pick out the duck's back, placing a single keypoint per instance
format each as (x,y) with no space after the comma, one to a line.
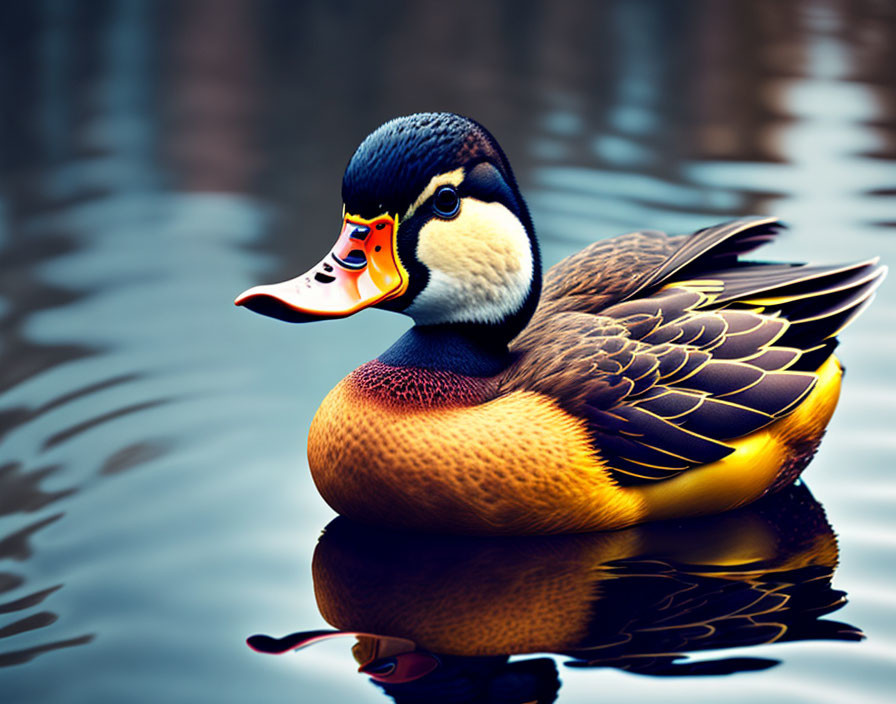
(611,270)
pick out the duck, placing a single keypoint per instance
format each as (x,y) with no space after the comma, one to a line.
(646,377)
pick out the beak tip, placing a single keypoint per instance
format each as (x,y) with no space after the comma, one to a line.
(245,296)
(265,302)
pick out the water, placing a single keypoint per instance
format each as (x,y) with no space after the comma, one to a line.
(158,158)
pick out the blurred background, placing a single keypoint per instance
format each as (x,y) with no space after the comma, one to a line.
(157,158)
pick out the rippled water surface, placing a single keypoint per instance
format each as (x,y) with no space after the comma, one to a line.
(155,504)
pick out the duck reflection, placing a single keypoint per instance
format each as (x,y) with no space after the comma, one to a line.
(437,618)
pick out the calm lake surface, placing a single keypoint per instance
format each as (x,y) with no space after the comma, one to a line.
(155,503)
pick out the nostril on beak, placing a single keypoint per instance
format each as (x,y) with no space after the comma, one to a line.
(356,259)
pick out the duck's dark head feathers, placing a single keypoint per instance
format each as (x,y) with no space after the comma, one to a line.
(394,163)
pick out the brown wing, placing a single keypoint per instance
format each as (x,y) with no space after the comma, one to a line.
(711,248)
(666,378)
(662,383)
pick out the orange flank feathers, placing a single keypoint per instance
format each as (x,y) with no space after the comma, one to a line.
(517,465)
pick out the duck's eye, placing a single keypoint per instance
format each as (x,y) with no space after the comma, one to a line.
(445,202)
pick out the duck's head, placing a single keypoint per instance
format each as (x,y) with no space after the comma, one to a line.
(433,226)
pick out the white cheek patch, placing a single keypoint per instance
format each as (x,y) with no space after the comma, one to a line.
(480,266)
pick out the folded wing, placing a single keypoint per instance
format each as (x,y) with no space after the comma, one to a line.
(701,350)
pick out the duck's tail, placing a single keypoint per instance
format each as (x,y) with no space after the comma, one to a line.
(817,301)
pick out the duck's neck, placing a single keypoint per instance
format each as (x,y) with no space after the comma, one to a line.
(470,350)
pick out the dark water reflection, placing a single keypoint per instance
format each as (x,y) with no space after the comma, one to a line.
(157,158)
(436,618)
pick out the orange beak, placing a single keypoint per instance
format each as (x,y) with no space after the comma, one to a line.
(361,270)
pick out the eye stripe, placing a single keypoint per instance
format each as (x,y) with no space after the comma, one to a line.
(452,178)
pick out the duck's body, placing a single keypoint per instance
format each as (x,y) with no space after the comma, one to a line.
(519,464)
(653,377)
(515,452)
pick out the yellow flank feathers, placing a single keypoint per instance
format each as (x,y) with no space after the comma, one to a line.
(757,460)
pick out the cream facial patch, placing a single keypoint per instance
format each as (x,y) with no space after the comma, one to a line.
(480,266)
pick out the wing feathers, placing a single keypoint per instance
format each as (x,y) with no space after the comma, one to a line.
(775,359)
(719,244)
(718,419)
(639,426)
(741,345)
(720,378)
(699,350)
(775,393)
(773,284)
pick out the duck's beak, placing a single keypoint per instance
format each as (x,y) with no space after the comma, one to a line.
(361,270)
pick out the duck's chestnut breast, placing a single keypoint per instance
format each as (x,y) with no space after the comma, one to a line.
(430,450)
(415,389)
